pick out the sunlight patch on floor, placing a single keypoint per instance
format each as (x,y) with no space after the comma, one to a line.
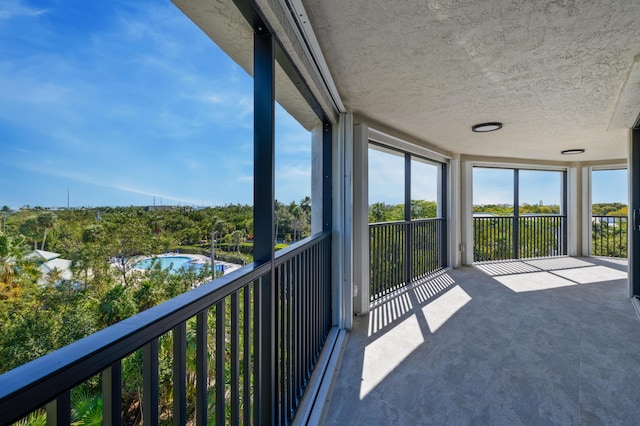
(438,312)
(385,353)
(592,274)
(534,281)
(505,268)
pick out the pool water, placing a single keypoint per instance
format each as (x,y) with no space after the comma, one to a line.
(172,263)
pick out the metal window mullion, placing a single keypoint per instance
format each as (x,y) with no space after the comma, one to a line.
(444,242)
(327,164)
(408,272)
(516,213)
(263,208)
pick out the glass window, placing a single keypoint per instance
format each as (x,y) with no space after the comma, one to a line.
(425,189)
(298,133)
(540,192)
(386,184)
(492,191)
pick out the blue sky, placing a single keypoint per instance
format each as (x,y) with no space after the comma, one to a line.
(119,102)
(491,186)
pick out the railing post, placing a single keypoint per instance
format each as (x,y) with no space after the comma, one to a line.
(59,410)
(180,374)
(202,364)
(150,383)
(112,395)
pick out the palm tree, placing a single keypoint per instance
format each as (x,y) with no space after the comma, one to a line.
(238,236)
(15,268)
(46,220)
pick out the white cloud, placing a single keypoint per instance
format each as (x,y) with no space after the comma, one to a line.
(214,98)
(11,9)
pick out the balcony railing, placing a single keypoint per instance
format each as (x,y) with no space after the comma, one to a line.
(239,347)
(401,252)
(609,236)
(504,237)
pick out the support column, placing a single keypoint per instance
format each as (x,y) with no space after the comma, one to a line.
(361,291)
(454,218)
(584,206)
(466,211)
(341,248)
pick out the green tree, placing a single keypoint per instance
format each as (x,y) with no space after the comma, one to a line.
(45,221)
(116,305)
(16,269)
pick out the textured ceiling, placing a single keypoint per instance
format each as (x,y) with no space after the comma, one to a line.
(552,71)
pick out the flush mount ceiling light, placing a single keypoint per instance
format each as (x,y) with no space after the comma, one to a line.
(572,151)
(487,127)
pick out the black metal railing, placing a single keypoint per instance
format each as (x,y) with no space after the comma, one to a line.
(401,252)
(217,339)
(609,236)
(505,237)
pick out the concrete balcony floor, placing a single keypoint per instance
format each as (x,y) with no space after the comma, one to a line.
(538,342)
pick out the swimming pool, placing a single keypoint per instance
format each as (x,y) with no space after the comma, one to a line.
(173,263)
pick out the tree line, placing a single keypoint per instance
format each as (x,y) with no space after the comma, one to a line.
(39,314)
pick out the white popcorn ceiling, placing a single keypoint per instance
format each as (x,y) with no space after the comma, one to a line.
(558,74)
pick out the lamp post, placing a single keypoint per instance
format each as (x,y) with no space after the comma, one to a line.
(213,264)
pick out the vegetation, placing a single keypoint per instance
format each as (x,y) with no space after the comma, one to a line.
(420,209)
(493,237)
(39,314)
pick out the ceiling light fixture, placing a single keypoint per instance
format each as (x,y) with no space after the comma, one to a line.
(572,151)
(487,127)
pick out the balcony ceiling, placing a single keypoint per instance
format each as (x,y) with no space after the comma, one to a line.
(559,74)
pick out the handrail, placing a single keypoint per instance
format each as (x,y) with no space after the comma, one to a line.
(609,235)
(400,222)
(28,387)
(404,251)
(33,381)
(519,237)
(289,252)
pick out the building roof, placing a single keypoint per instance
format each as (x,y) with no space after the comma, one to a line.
(43,255)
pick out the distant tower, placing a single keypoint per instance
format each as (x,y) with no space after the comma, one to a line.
(541,203)
(67,198)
